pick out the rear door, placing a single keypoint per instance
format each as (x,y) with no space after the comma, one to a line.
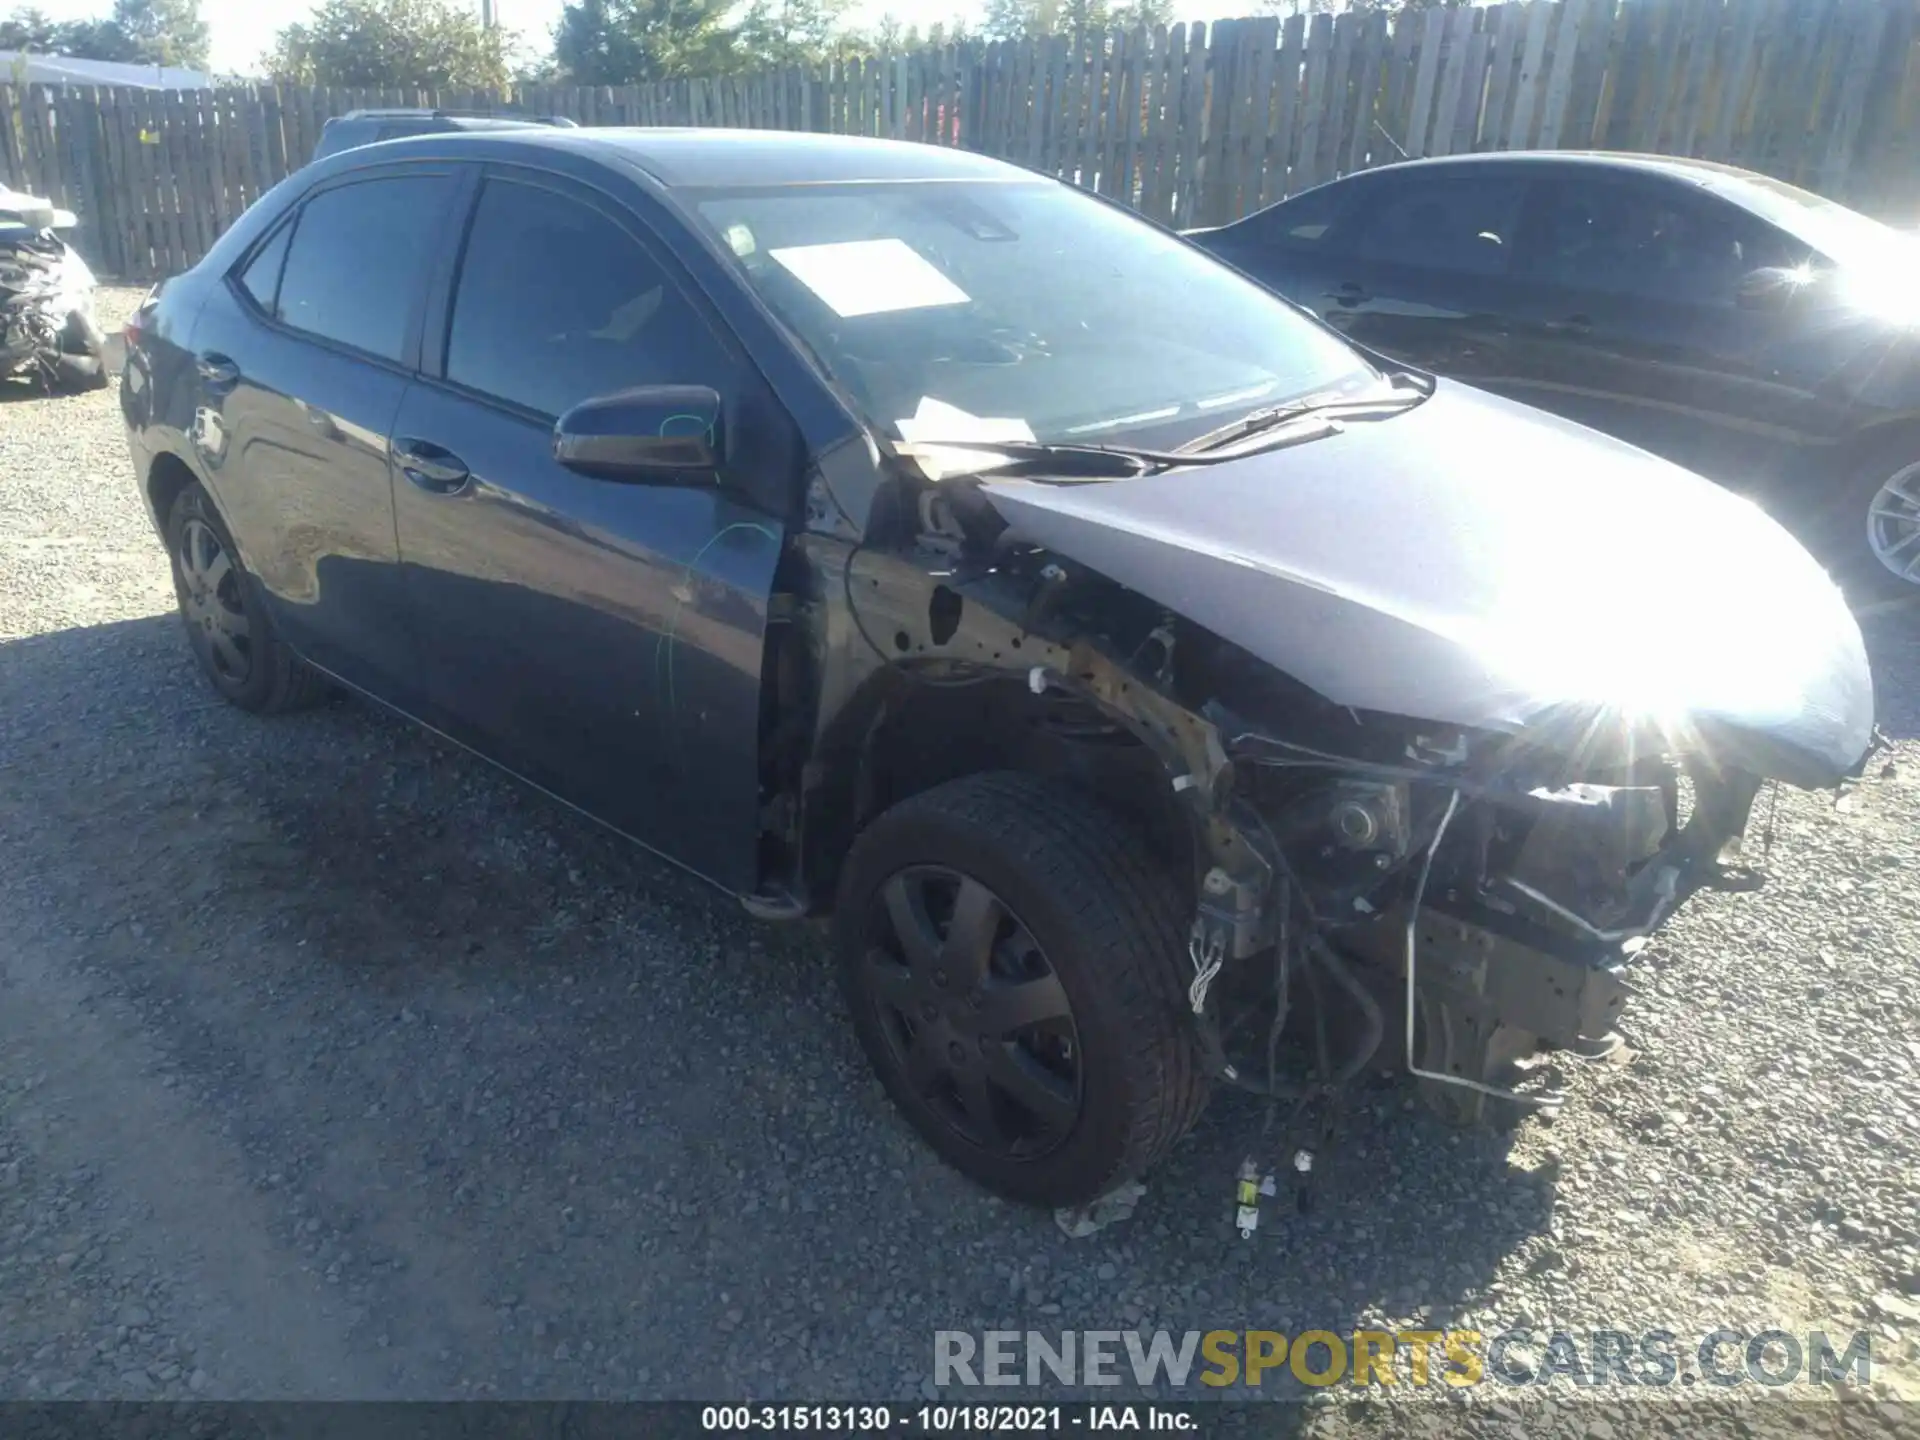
(601,638)
(1631,321)
(301,363)
(1422,271)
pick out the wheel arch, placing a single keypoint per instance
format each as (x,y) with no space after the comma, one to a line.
(167,475)
(903,734)
(1881,435)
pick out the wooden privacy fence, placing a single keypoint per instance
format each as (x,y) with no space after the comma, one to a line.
(1191,124)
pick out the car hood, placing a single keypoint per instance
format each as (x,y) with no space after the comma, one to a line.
(1474,562)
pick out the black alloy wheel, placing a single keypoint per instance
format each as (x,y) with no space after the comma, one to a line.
(977,1019)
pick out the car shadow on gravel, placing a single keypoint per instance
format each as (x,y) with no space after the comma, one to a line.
(547,1117)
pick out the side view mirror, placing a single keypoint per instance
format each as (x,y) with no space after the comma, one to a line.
(1771,287)
(648,433)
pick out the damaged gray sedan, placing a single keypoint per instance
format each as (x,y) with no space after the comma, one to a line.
(1157,691)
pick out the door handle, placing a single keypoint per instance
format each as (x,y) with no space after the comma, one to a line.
(434,469)
(217,372)
(1572,325)
(1351,293)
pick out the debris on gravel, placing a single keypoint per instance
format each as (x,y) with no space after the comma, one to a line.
(333,1063)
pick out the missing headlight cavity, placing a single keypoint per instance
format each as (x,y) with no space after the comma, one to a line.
(943,614)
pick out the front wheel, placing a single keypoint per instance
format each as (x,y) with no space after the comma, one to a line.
(1010,953)
(80,365)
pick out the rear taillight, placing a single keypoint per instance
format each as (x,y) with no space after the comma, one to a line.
(136,327)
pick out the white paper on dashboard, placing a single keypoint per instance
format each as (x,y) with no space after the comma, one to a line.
(869,277)
(935,420)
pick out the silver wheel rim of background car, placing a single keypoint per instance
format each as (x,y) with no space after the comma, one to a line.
(210,600)
(1893,524)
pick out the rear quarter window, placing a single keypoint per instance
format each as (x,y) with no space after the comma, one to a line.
(358,260)
(1304,222)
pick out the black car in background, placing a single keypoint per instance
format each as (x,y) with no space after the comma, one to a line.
(1746,329)
(365,127)
(1119,656)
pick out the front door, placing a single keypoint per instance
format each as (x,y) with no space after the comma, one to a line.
(601,638)
(302,359)
(1421,271)
(1629,318)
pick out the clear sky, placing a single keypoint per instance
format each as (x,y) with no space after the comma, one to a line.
(244,29)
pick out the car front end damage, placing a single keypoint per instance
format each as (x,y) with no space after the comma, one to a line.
(1479,908)
(1411,895)
(47,328)
(1413,843)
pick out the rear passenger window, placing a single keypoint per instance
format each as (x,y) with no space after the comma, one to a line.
(358,260)
(557,304)
(1462,224)
(261,278)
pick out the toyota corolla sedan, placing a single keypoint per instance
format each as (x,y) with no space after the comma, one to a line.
(1131,667)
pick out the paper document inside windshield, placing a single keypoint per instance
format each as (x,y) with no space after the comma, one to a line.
(935,420)
(869,277)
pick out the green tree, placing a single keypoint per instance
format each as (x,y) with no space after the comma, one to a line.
(138,32)
(29,28)
(1010,19)
(1373,7)
(791,32)
(164,32)
(1133,14)
(392,43)
(99,40)
(619,42)
(1082,17)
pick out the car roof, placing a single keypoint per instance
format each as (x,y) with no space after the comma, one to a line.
(701,158)
(1677,166)
(373,119)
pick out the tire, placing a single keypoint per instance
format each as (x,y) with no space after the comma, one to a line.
(232,637)
(79,365)
(77,373)
(1084,902)
(1867,519)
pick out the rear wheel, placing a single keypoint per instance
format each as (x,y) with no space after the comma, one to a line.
(231,634)
(1010,953)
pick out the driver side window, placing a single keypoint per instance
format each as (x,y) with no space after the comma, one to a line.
(556,303)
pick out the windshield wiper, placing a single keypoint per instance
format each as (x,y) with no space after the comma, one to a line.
(1320,407)
(1082,462)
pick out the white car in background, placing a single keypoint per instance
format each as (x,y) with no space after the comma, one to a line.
(48,332)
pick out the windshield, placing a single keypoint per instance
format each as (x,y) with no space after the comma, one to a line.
(1844,236)
(1020,310)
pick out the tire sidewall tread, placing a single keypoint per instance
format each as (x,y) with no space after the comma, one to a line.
(1110,918)
(278,681)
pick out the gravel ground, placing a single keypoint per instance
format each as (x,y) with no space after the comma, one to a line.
(334,1064)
